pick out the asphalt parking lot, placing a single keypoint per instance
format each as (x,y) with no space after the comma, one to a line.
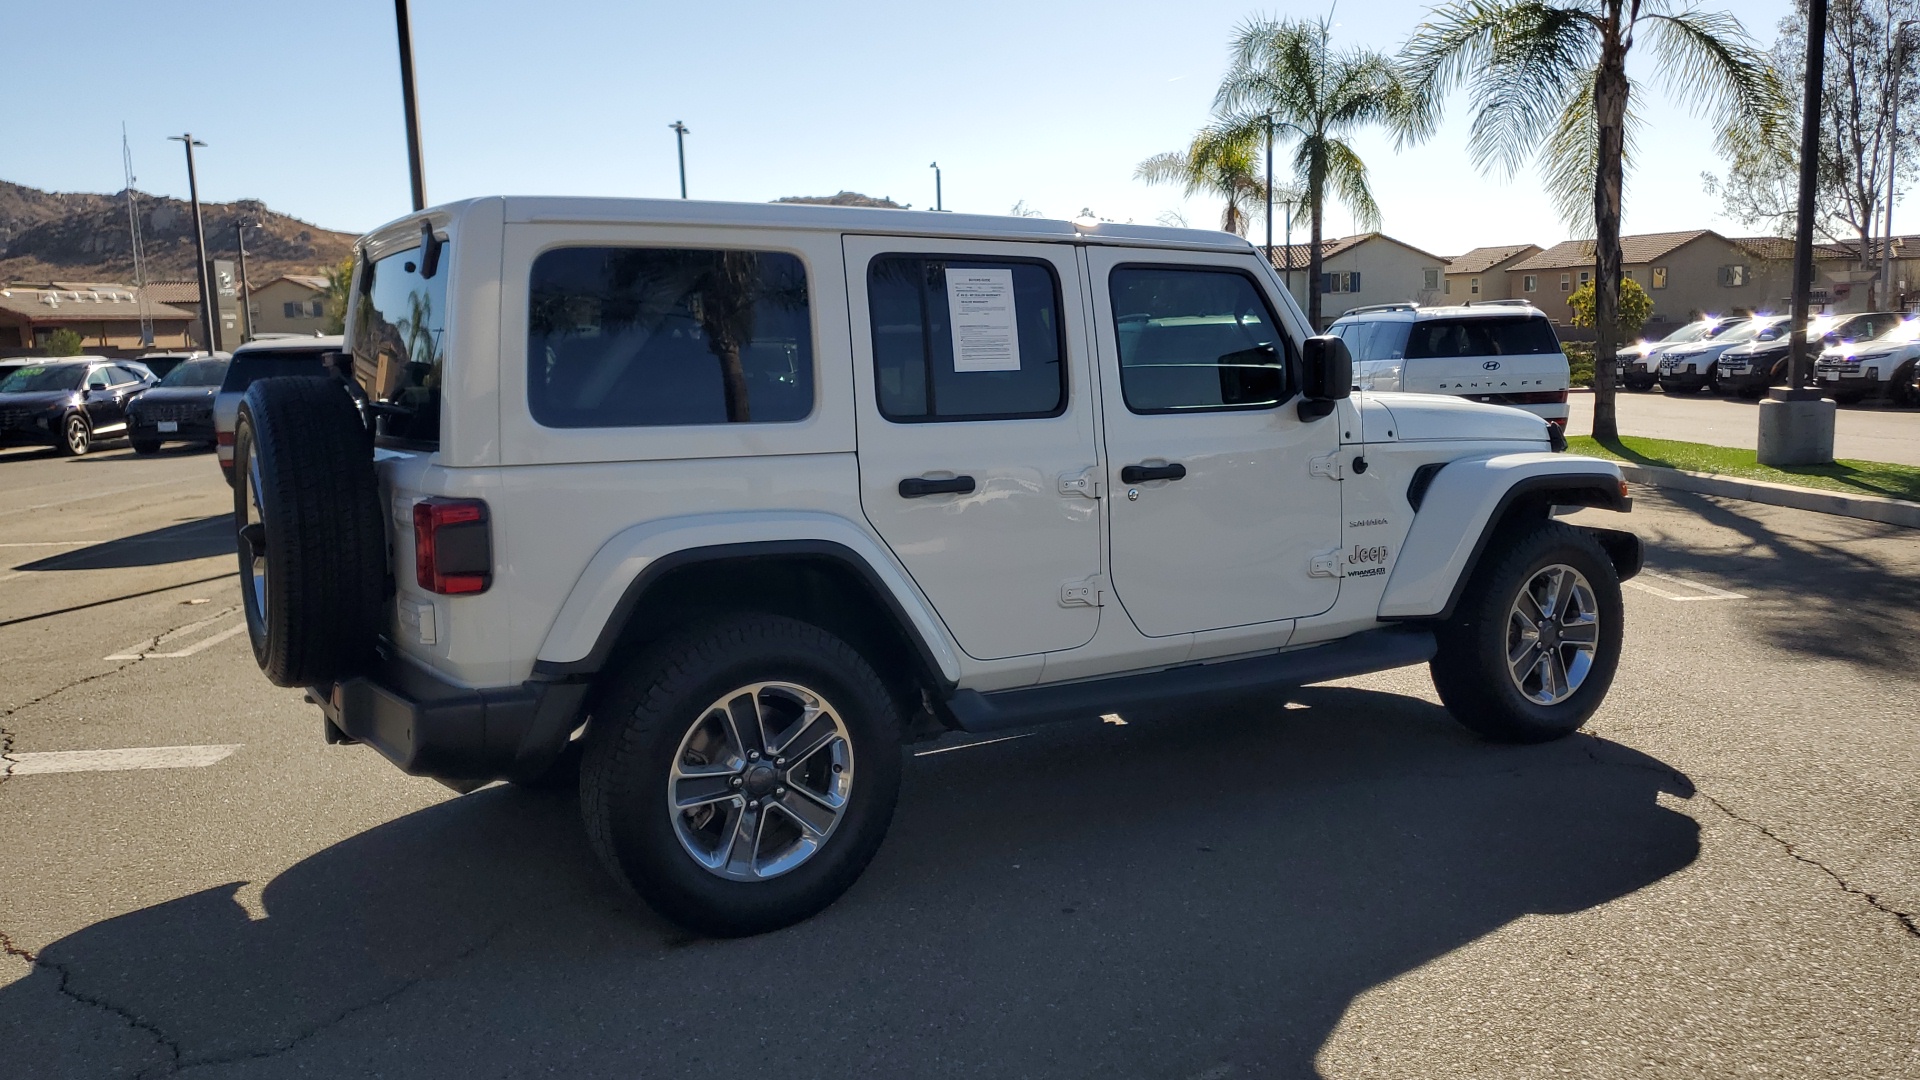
(1720,878)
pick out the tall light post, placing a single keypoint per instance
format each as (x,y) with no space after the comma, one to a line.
(199,241)
(939,202)
(1270,197)
(405,28)
(1897,56)
(1796,424)
(240,228)
(680,140)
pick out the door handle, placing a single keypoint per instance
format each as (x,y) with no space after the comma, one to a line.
(1139,474)
(915,486)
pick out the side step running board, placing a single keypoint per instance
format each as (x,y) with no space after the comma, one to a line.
(1374,650)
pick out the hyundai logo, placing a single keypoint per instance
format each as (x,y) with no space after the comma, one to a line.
(1491,365)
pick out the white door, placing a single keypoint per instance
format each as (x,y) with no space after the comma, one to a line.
(1217,511)
(978,458)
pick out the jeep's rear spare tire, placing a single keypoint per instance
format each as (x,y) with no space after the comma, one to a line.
(312,546)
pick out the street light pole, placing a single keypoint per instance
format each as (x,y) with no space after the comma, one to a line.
(939,202)
(680,140)
(1269,189)
(405,26)
(240,228)
(199,241)
(1897,53)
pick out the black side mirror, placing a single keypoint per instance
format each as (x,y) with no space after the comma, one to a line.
(1326,375)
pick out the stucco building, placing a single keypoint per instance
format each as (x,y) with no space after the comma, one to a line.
(1481,274)
(290,304)
(106,316)
(1371,268)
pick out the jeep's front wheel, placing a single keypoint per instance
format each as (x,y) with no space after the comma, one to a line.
(1533,645)
(740,776)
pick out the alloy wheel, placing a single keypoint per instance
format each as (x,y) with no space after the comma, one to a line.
(1553,628)
(760,780)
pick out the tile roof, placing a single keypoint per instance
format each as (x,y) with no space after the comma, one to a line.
(1298,256)
(1634,250)
(1779,247)
(174,292)
(1482,259)
(308,281)
(102,303)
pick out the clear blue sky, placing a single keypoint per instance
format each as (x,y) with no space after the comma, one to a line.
(1050,103)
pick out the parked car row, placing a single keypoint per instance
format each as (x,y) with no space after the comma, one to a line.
(1864,355)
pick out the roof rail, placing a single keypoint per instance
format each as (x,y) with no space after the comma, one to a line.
(1508,303)
(1400,306)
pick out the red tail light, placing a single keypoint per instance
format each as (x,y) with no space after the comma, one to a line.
(224,438)
(452,546)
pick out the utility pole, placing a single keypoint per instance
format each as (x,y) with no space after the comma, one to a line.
(680,140)
(240,228)
(1796,424)
(199,241)
(1897,53)
(939,203)
(405,26)
(1270,192)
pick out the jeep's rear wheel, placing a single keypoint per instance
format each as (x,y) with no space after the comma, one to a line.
(312,547)
(1533,646)
(741,775)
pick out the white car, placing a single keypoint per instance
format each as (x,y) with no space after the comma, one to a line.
(1501,352)
(266,356)
(1879,367)
(1637,367)
(708,507)
(1691,368)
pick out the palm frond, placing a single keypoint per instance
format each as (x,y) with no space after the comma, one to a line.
(1708,61)
(1348,176)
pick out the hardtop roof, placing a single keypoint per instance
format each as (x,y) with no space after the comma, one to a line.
(847,219)
(1415,312)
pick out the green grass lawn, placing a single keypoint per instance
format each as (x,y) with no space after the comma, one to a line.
(1852,477)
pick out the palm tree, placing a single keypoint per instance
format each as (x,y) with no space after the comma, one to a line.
(1285,74)
(1215,163)
(1548,81)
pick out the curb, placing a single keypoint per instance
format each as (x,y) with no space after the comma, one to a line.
(1864,507)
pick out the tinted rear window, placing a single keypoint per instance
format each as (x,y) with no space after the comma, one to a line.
(1522,336)
(1377,339)
(245,369)
(197,373)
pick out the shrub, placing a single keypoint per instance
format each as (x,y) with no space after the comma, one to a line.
(64,342)
(1635,308)
(1579,361)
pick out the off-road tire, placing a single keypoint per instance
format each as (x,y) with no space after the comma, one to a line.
(1470,669)
(145,447)
(319,525)
(76,436)
(636,727)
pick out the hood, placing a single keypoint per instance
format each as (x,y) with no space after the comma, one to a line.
(1756,348)
(1419,417)
(178,395)
(1633,352)
(37,399)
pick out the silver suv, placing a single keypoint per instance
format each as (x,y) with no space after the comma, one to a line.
(1503,352)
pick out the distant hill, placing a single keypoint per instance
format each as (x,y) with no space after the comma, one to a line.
(57,236)
(845,198)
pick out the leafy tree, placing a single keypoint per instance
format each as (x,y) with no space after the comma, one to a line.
(1636,307)
(339,288)
(1548,82)
(1872,59)
(64,342)
(1215,163)
(1286,74)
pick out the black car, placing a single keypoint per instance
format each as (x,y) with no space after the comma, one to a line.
(67,404)
(163,363)
(180,409)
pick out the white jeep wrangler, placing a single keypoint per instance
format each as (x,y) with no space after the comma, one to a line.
(711,506)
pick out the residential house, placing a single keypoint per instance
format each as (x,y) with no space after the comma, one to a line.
(1481,274)
(1688,275)
(1371,268)
(106,316)
(289,304)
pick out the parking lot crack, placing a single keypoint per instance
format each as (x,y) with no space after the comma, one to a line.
(65,989)
(1907,919)
(344,1015)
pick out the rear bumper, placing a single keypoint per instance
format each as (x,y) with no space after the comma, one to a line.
(465,736)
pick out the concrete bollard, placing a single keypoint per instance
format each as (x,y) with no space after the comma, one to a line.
(1796,428)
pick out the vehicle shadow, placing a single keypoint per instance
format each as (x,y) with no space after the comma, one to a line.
(1832,598)
(1157,899)
(181,542)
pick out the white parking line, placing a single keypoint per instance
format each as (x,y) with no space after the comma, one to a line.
(970,745)
(151,651)
(146,757)
(1706,592)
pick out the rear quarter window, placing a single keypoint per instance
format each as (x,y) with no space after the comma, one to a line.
(1520,336)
